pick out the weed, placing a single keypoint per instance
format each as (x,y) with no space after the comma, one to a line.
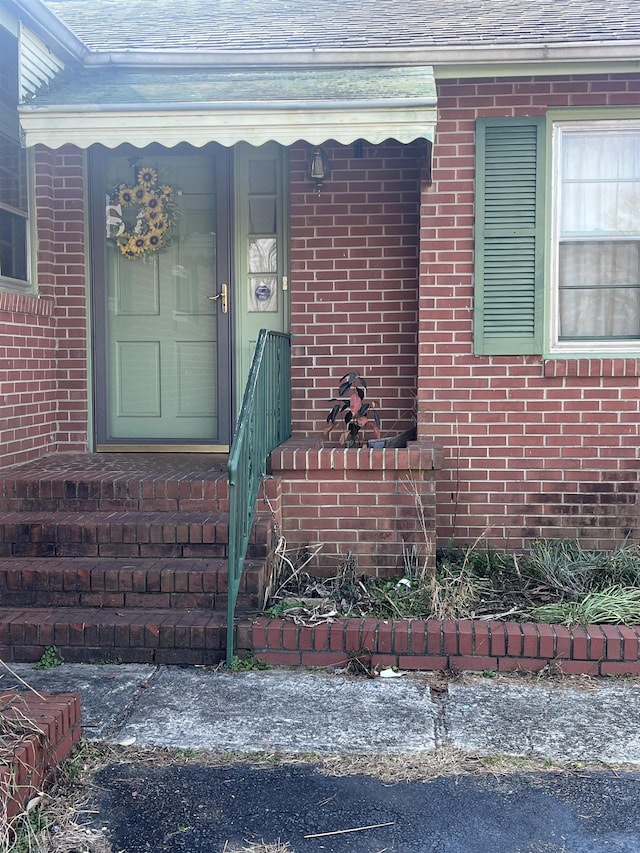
(185,753)
(51,658)
(239,664)
(616,606)
(26,828)
(488,673)
(555,581)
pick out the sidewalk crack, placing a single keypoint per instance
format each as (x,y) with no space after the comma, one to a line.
(440,698)
(128,709)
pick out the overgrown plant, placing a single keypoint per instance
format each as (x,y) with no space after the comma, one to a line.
(357,413)
(616,605)
(51,658)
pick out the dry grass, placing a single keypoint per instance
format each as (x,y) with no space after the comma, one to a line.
(16,731)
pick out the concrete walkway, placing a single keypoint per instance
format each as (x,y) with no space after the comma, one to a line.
(310,712)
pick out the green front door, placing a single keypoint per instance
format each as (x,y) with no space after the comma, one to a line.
(162,354)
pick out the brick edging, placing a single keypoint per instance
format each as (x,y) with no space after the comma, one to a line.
(445,645)
(31,758)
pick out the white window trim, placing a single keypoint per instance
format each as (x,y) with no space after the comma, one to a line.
(580,348)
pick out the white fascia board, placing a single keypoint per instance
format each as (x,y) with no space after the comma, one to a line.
(589,51)
(83,127)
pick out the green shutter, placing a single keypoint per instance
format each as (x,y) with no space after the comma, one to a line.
(509,260)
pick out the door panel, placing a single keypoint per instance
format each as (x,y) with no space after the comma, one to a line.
(163,357)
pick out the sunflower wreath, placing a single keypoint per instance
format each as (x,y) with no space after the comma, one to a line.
(155,217)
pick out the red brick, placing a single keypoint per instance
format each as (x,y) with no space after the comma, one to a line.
(620,668)
(401,637)
(320,638)
(423,662)
(318,659)
(480,638)
(614,642)
(472,662)
(579,644)
(346,636)
(521,664)
(498,641)
(579,667)
(597,642)
(385,636)
(274,634)
(434,638)
(369,634)
(563,642)
(465,637)
(289,635)
(630,642)
(514,639)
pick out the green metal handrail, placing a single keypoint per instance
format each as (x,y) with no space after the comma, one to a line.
(264,423)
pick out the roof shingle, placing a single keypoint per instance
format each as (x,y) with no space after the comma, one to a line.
(200,25)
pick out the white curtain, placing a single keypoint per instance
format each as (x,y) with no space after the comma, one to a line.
(599,253)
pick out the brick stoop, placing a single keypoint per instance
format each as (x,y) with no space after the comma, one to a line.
(446,645)
(123,556)
(50,730)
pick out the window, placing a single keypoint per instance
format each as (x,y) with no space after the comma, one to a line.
(13,170)
(583,271)
(597,233)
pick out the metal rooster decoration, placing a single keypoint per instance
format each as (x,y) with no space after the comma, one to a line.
(358,414)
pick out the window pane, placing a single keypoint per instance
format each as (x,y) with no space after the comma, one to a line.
(605,262)
(262,215)
(8,68)
(13,246)
(262,177)
(263,293)
(263,255)
(600,313)
(13,184)
(600,155)
(599,206)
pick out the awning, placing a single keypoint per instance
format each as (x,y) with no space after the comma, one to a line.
(112,106)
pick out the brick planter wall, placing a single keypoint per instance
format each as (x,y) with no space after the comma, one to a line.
(28,762)
(449,645)
(356,500)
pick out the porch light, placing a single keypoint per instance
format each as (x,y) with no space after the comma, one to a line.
(318,168)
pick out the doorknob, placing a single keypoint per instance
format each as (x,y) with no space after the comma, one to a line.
(224,296)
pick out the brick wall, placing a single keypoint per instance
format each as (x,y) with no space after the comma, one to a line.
(533,448)
(354,280)
(374,505)
(27,386)
(62,211)
(43,338)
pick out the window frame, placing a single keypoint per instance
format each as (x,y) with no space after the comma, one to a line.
(598,347)
(11,132)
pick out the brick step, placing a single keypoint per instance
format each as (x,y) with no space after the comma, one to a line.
(117,582)
(103,482)
(124,534)
(84,635)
